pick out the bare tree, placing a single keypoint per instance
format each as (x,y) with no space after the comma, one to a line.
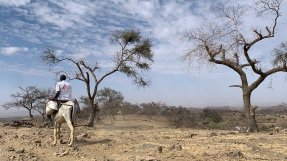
(39,104)
(134,56)
(29,98)
(227,44)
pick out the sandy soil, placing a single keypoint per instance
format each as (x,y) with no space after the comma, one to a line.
(139,139)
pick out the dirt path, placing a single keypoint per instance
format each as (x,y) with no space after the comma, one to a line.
(139,139)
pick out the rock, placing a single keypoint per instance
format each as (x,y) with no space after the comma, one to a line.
(82,136)
(237,128)
(193,135)
(110,160)
(271,133)
(212,134)
(85,135)
(6,124)
(236,154)
(232,133)
(64,153)
(171,147)
(10,149)
(12,157)
(178,147)
(55,154)
(159,149)
(148,158)
(22,150)
(37,141)
(277,129)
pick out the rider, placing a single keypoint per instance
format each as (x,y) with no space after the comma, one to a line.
(63,92)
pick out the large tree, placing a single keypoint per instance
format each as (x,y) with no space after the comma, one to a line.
(134,56)
(30,98)
(227,43)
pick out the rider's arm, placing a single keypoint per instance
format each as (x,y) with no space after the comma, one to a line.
(57,91)
(57,94)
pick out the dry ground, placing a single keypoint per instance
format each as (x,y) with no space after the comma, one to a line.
(138,138)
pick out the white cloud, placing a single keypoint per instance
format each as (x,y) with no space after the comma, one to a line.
(83,27)
(23,69)
(12,50)
(15,3)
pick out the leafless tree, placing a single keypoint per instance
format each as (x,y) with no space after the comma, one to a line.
(226,43)
(134,56)
(30,98)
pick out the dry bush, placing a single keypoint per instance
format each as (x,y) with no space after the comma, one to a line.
(180,117)
(209,115)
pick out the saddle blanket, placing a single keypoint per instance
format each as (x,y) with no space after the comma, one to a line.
(52,105)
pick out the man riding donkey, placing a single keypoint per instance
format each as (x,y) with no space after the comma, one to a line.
(63,94)
(63,108)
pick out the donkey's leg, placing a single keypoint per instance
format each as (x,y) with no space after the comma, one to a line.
(68,118)
(55,133)
(72,132)
(59,131)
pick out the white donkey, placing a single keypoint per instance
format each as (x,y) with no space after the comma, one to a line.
(66,113)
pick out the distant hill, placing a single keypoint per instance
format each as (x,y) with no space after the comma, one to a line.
(279,109)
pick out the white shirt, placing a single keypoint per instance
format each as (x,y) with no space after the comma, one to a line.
(65,89)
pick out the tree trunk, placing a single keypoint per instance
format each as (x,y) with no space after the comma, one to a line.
(250,112)
(30,114)
(252,121)
(92,114)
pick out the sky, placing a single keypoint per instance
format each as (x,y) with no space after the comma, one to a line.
(83,29)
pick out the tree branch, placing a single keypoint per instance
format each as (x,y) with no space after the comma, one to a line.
(239,86)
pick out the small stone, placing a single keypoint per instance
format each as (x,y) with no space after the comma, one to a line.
(159,149)
(271,133)
(12,157)
(212,134)
(22,150)
(236,154)
(110,160)
(277,129)
(178,147)
(37,141)
(193,135)
(85,135)
(64,153)
(171,147)
(231,133)
(55,154)
(10,149)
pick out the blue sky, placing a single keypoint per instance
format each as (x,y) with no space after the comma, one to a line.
(83,28)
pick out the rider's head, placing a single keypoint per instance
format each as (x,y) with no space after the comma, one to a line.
(62,77)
